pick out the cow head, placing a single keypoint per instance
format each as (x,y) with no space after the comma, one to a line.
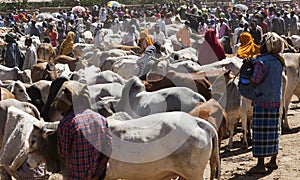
(37,142)
(18,89)
(25,76)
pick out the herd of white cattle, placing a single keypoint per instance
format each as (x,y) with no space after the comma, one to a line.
(167,133)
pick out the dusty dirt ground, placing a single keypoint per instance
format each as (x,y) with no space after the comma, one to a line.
(238,161)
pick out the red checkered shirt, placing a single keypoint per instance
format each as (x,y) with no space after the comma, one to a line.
(84,141)
(257,77)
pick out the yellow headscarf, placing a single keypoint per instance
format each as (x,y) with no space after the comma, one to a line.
(247,49)
(67,46)
(145,40)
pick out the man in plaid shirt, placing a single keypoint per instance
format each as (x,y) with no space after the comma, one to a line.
(84,138)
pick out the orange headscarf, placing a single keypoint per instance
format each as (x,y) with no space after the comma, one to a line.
(145,40)
(247,49)
(67,46)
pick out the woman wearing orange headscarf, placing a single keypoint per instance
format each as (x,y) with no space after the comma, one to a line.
(247,49)
(67,46)
(145,40)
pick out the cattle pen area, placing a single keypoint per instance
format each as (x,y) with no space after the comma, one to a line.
(171,90)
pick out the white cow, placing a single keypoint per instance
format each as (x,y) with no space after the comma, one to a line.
(7,73)
(137,102)
(159,146)
(104,90)
(237,108)
(18,89)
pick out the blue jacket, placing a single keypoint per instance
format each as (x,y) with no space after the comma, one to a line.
(270,88)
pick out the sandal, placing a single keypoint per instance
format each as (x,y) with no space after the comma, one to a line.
(270,165)
(257,170)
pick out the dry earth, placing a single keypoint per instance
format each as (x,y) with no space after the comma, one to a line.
(238,161)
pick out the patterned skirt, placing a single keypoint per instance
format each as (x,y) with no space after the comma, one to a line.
(266,131)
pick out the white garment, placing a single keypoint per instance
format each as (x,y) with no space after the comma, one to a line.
(162,27)
(160,37)
(99,39)
(30,57)
(237,32)
(129,40)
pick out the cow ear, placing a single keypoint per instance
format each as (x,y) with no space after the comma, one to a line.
(36,128)
(47,133)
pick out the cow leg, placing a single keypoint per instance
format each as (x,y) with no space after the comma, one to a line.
(284,124)
(4,174)
(231,130)
(244,129)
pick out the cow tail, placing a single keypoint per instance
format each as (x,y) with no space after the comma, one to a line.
(218,159)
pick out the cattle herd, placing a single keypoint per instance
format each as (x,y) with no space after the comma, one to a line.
(168,126)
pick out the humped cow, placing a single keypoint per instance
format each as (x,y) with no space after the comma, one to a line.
(138,150)
(7,73)
(137,102)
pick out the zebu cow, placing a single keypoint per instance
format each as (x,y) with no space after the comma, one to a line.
(15,145)
(137,102)
(5,94)
(292,61)
(160,68)
(175,141)
(92,75)
(45,51)
(237,108)
(63,59)
(7,73)
(23,106)
(187,53)
(19,91)
(43,71)
(38,93)
(103,90)
(195,82)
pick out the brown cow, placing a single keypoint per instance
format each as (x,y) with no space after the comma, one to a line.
(72,62)
(6,94)
(46,52)
(45,71)
(198,83)
(215,114)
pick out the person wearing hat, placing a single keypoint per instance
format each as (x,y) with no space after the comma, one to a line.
(13,53)
(267,81)
(183,35)
(30,54)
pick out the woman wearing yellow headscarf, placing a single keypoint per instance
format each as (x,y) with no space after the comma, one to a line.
(247,49)
(67,46)
(145,40)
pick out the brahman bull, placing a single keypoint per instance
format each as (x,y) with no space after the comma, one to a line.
(159,146)
(43,71)
(7,73)
(45,51)
(137,102)
(195,82)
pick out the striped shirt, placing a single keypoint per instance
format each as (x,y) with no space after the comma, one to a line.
(84,141)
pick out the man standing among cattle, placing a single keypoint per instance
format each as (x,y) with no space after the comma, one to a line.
(267,79)
(84,138)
